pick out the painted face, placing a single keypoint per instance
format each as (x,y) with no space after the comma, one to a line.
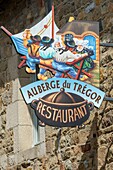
(26,35)
(80,47)
(57,45)
(68,37)
(37,43)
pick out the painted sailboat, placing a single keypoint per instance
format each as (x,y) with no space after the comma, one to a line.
(71,51)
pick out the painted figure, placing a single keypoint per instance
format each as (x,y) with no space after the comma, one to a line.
(39,52)
(32,43)
(63,56)
(81,48)
(46,53)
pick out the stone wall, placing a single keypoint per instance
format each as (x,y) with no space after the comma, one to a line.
(15,118)
(85,148)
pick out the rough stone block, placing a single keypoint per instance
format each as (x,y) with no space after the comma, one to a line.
(2,81)
(11,115)
(11,160)
(0,123)
(12,67)
(83,136)
(90,7)
(29,154)
(17,113)
(42,150)
(14,53)
(17,84)
(102,151)
(42,134)
(22,138)
(6,97)
(3,65)
(104,8)
(3,162)
(16,94)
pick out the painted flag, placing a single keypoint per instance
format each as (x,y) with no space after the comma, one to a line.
(46,27)
(43,28)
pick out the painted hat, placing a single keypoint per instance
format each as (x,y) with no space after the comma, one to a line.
(35,38)
(47,40)
(69,37)
(70,44)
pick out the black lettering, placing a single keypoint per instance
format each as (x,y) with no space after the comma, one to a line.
(47,86)
(79,88)
(64,84)
(75,85)
(29,94)
(93,95)
(35,92)
(39,89)
(43,87)
(68,85)
(57,83)
(83,91)
(52,84)
(98,99)
(88,92)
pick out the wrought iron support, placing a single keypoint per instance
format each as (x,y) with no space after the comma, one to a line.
(108,99)
(106,44)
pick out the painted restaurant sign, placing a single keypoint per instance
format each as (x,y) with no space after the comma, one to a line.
(61,102)
(67,61)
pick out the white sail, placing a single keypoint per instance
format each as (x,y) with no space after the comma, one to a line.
(43,28)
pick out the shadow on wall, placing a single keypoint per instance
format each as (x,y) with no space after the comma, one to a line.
(8,62)
(89,160)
